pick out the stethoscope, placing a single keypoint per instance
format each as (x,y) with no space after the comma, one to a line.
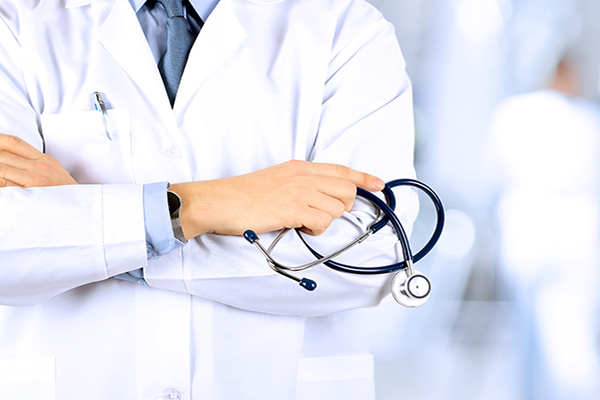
(410,287)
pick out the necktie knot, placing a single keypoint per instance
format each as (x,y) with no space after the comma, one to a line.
(174,8)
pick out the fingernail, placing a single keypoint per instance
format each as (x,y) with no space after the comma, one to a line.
(379,184)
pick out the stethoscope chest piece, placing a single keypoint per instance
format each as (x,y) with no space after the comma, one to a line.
(411,289)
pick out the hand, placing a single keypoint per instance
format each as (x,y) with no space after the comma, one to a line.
(295,194)
(23,165)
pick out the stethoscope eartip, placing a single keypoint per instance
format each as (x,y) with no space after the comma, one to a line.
(308,284)
(250,236)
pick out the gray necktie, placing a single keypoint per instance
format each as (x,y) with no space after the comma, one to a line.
(180,39)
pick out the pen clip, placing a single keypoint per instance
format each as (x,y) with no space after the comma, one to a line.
(99,104)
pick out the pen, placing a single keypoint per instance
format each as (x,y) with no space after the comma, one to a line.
(99,104)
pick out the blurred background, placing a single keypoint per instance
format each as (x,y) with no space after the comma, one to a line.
(508,128)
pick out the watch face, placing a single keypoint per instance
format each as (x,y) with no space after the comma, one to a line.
(174,203)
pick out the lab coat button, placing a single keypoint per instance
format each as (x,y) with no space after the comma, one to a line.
(171,394)
(173,152)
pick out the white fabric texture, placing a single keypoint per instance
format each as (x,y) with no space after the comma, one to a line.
(265,82)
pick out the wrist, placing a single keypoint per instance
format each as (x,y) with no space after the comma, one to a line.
(190,221)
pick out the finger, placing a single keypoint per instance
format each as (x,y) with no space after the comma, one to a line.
(327,204)
(339,189)
(13,160)
(7,183)
(360,179)
(14,176)
(315,222)
(19,147)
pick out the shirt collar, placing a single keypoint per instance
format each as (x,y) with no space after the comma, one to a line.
(137,4)
(199,5)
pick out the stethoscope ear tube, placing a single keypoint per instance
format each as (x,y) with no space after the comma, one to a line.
(253,238)
(391,218)
(410,287)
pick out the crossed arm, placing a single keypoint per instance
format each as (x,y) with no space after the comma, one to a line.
(295,194)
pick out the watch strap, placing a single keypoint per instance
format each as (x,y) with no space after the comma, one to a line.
(175,204)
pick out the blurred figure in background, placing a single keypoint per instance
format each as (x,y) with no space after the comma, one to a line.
(547,144)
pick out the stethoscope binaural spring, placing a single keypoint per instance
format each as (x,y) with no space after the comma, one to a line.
(410,287)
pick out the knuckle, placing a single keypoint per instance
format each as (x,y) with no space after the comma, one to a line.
(295,164)
(295,222)
(348,194)
(41,166)
(4,170)
(40,176)
(342,170)
(317,223)
(351,192)
(13,140)
(339,210)
(51,160)
(324,221)
(41,180)
(349,204)
(350,189)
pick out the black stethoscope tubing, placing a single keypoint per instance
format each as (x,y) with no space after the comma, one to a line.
(387,208)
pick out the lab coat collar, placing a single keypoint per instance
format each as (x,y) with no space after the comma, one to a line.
(141,66)
(210,50)
(118,20)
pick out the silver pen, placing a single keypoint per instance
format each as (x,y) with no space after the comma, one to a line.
(99,104)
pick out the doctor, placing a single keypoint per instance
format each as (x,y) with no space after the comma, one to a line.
(266,81)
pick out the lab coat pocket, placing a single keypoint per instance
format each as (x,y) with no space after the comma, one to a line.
(80,141)
(333,378)
(28,378)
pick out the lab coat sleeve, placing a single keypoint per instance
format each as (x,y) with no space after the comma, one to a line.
(57,238)
(367,124)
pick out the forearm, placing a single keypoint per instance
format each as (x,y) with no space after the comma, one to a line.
(294,194)
(231,271)
(57,238)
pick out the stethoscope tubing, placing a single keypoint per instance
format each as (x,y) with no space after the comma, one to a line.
(390,216)
(439,212)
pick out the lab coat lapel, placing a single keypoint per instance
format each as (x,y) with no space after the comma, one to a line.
(123,38)
(218,40)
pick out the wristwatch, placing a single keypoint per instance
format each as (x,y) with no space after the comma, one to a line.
(175,203)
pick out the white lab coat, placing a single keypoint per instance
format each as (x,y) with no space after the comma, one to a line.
(266,81)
